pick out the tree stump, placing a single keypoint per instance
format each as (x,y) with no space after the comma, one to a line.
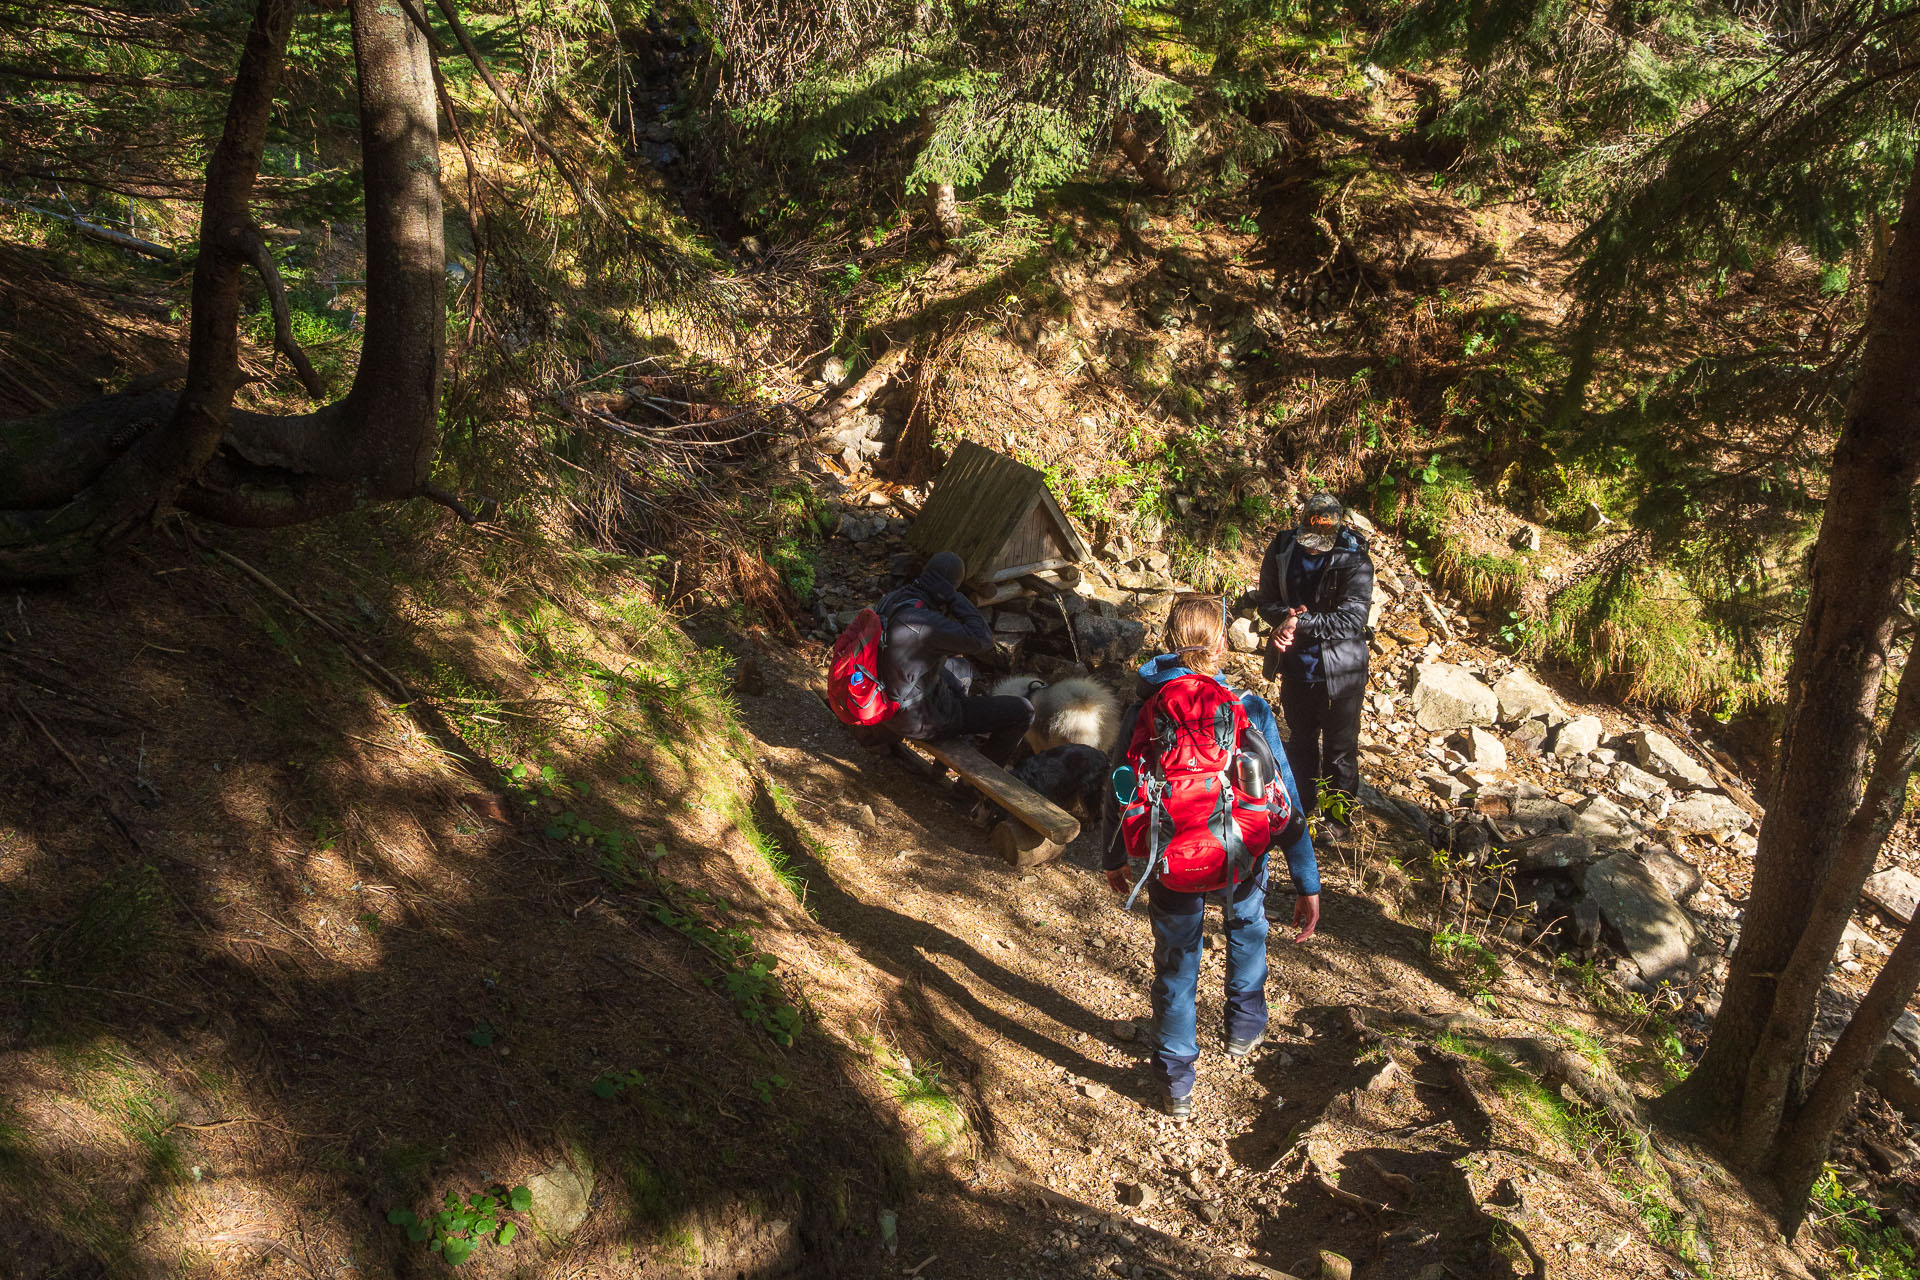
(1021,846)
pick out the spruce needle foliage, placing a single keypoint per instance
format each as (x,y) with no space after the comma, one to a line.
(1004,99)
(1550,90)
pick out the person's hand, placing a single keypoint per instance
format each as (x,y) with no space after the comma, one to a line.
(1283,634)
(1117,880)
(1306,915)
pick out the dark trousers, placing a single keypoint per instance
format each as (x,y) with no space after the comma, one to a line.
(950,713)
(1003,720)
(1323,738)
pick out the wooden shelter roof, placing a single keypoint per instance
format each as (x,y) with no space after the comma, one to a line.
(979,505)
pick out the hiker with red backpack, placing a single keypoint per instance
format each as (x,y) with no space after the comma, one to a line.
(1201,792)
(902,668)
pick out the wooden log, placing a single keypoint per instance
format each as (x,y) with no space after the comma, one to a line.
(1005,790)
(998,593)
(1020,846)
(98,232)
(1065,578)
(864,389)
(1022,570)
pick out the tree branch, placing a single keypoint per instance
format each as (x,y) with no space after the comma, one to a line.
(98,232)
(587,198)
(262,259)
(435,493)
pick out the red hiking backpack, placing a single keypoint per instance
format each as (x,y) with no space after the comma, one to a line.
(1191,821)
(854,690)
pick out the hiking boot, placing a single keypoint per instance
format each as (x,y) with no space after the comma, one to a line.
(1178,1107)
(1239,1047)
(1336,833)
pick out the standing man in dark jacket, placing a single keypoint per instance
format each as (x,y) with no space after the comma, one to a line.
(931,631)
(1316,589)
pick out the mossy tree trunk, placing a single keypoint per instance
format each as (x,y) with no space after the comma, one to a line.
(77,484)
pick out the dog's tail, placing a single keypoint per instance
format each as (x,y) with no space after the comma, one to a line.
(1017,686)
(1075,710)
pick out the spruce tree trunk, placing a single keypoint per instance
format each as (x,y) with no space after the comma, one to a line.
(78,483)
(1782,1045)
(1808,1138)
(1859,568)
(376,443)
(944,204)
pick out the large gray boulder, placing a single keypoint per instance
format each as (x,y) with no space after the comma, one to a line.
(1706,814)
(1108,639)
(1654,932)
(1243,636)
(1522,697)
(1529,737)
(1578,736)
(1604,822)
(1448,697)
(1482,749)
(1637,784)
(1553,853)
(1537,815)
(1680,878)
(1657,753)
(1895,892)
(1447,787)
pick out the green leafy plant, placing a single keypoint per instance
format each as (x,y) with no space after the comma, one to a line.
(1865,1245)
(763,1088)
(614,1083)
(459,1228)
(1457,948)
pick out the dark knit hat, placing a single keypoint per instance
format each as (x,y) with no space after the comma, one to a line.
(947,567)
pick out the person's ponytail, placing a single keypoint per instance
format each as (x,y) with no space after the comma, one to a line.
(1196,626)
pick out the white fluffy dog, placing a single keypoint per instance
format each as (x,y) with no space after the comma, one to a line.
(1075,710)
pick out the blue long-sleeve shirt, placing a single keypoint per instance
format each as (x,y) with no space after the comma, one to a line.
(1301,863)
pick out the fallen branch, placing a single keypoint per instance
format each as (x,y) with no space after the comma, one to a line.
(106,804)
(864,389)
(262,259)
(434,493)
(1728,783)
(394,685)
(98,232)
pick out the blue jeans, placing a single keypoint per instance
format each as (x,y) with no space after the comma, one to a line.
(1176,972)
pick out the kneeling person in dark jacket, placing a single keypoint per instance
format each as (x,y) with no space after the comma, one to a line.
(931,631)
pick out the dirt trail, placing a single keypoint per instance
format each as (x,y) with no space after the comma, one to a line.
(1023,991)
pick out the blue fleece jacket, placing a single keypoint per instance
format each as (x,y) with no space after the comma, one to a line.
(1168,666)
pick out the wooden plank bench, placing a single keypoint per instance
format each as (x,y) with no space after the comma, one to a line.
(1044,829)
